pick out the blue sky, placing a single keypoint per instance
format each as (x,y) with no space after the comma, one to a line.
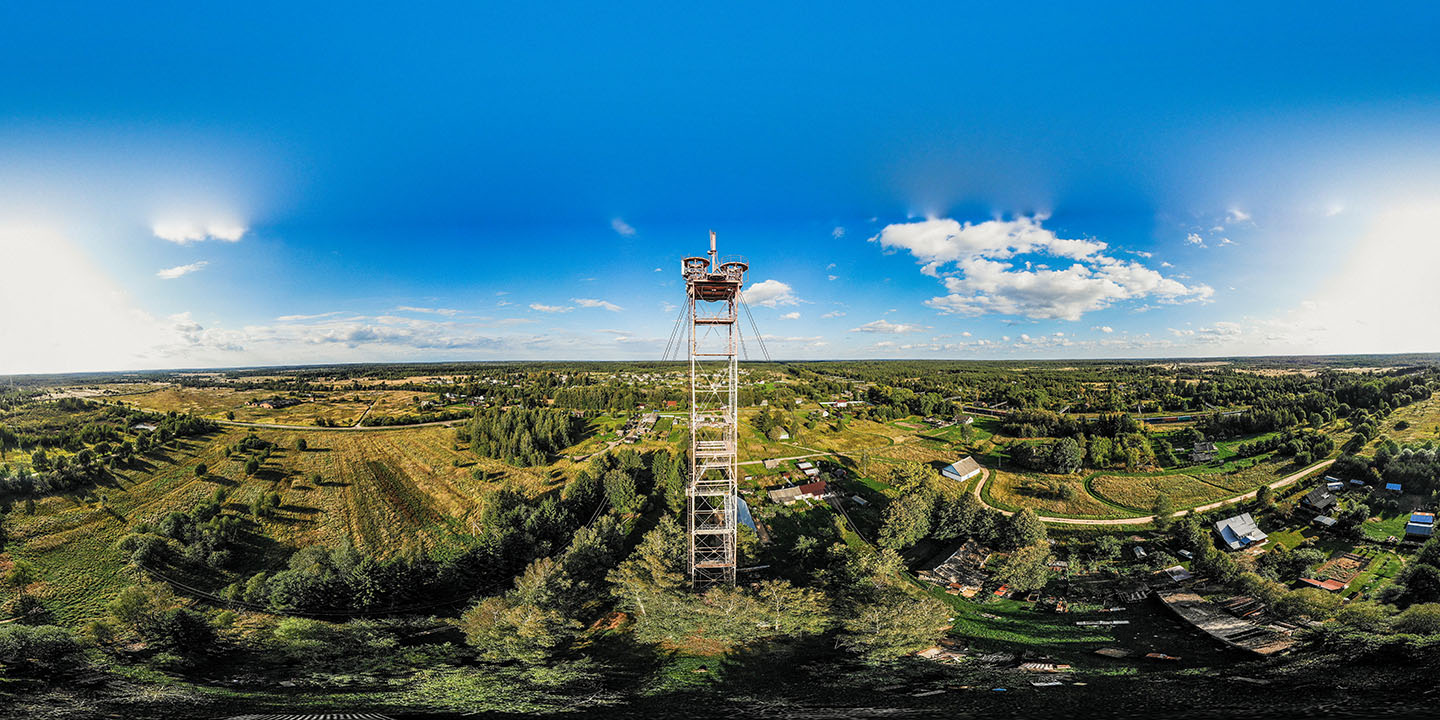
(188,186)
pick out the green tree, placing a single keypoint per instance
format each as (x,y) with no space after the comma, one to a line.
(907,520)
(655,567)
(1163,509)
(505,629)
(791,611)
(20,574)
(1423,619)
(1265,496)
(891,624)
(201,469)
(1022,529)
(252,466)
(1364,616)
(301,445)
(1025,569)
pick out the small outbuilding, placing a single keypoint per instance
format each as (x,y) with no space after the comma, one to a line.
(962,469)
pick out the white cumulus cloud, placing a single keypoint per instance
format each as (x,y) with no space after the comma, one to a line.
(770,293)
(971,261)
(183,232)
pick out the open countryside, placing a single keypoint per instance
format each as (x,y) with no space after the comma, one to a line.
(1081,546)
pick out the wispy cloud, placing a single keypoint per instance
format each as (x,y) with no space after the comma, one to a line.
(622,227)
(838,232)
(833,314)
(298,318)
(179,270)
(1195,239)
(448,312)
(593,303)
(790,316)
(888,328)
(550,308)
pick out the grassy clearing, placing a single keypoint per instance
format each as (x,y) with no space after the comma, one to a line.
(1012,491)
(1140,491)
(1010,625)
(1421,420)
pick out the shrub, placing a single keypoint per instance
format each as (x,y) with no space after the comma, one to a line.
(42,649)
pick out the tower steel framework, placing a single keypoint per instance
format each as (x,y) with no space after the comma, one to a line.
(713,289)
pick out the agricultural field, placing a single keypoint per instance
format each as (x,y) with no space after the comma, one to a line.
(384,492)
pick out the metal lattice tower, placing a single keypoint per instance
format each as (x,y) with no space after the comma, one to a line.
(713,290)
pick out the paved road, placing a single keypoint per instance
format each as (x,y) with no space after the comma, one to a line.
(355,428)
(1143,519)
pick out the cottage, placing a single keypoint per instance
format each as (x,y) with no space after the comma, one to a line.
(1203,452)
(1240,532)
(1325,521)
(144,427)
(1333,486)
(962,469)
(1319,500)
(794,493)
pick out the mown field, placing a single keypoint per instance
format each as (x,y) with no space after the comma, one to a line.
(391,491)
(1140,492)
(340,408)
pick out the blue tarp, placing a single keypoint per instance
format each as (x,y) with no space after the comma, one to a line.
(744,513)
(1393,486)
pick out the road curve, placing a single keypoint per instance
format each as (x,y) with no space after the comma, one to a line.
(1143,519)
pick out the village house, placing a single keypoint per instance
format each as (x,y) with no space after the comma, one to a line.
(791,494)
(1203,452)
(1240,532)
(1319,500)
(1421,525)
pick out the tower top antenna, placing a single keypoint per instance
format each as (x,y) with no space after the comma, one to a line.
(713,266)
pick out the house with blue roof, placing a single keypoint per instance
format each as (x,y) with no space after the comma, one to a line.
(1421,525)
(1393,487)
